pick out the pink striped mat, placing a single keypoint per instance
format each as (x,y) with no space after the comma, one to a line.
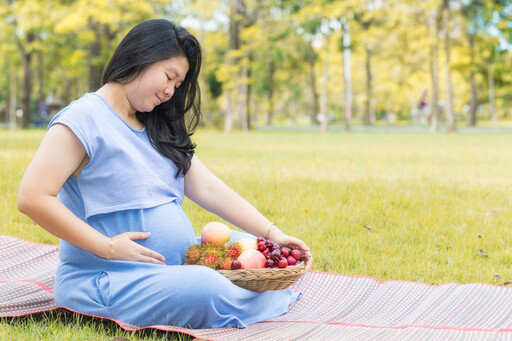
(333,307)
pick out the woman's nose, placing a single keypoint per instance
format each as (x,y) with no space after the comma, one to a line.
(169,91)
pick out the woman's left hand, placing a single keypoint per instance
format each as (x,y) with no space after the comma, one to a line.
(293,243)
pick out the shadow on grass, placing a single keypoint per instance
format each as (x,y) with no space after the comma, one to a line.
(63,322)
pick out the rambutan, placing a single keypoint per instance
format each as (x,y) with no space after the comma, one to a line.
(210,259)
(233,250)
(226,264)
(193,254)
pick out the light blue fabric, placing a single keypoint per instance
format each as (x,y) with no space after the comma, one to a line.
(108,195)
(124,170)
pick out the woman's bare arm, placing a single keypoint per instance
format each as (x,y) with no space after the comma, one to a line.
(211,193)
(58,157)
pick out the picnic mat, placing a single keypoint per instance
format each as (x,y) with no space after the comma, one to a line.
(332,307)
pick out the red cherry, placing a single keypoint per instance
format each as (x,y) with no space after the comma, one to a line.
(236,265)
(276,246)
(269,243)
(276,254)
(283,263)
(291,260)
(261,246)
(260,239)
(285,252)
(266,253)
(296,254)
(269,263)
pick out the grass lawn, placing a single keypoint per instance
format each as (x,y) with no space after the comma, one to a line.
(394,206)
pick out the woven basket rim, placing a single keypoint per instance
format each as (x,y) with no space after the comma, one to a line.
(300,267)
(265,279)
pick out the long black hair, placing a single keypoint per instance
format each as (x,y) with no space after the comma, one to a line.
(147,43)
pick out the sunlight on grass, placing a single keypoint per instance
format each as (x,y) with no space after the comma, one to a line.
(395,206)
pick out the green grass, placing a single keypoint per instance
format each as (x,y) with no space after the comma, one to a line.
(394,206)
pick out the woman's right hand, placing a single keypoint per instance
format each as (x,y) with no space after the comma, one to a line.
(124,248)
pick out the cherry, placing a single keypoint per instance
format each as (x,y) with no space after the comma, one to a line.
(283,263)
(261,246)
(296,254)
(260,239)
(236,265)
(285,251)
(291,260)
(266,253)
(275,254)
(276,246)
(269,263)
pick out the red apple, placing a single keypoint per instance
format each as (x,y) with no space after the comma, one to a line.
(216,233)
(252,259)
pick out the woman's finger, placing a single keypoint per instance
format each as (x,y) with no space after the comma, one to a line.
(137,235)
(309,260)
(148,253)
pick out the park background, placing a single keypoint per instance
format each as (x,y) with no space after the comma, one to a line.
(381,188)
(442,63)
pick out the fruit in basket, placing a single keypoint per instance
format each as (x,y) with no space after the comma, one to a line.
(275,255)
(261,246)
(269,263)
(247,244)
(234,250)
(283,263)
(216,233)
(226,264)
(291,260)
(296,254)
(252,259)
(210,259)
(236,265)
(285,252)
(193,254)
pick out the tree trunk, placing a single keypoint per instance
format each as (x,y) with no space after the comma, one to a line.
(234,44)
(492,106)
(40,76)
(12,95)
(270,90)
(248,91)
(325,86)
(369,113)
(347,75)
(450,115)
(474,94)
(312,83)
(28,85)
(434,72)
(94,53)
(243,93)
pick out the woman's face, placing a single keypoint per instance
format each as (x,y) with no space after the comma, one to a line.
(156,84)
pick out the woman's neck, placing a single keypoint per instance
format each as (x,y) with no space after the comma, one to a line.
(116,97)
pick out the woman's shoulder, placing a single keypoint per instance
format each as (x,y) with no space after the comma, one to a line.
(86,108)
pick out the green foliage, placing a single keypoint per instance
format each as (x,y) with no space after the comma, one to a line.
(77,38)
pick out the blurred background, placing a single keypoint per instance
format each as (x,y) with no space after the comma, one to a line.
(436,64)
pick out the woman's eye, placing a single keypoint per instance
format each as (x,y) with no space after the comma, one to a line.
(168,78)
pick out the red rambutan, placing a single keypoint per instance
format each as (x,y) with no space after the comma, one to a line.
(193,254)
(226,264)
(210,259)
(233,250)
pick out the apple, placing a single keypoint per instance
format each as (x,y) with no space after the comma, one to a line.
(252,259)
(247,244)
(216,233)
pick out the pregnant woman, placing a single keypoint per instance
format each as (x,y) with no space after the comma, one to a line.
(109,179)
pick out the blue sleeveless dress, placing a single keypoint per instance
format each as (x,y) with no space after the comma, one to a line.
(128,186)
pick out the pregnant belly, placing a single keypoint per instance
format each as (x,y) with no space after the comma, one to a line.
(170,228)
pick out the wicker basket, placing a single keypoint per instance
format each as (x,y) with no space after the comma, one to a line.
(265,279)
